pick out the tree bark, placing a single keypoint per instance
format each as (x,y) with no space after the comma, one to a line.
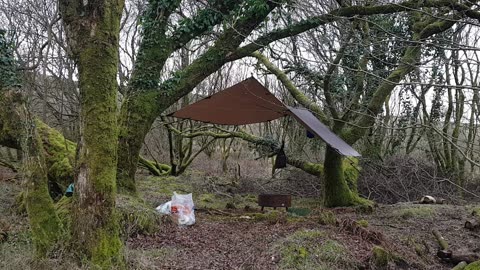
(93,29)
(336,189)
(17,130)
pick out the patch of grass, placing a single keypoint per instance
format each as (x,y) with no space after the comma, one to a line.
(327,218)
(16,252)
(475,211)
(136,217)
(157,190)
(271,217)
(64,211)
(299,212)
(415,212)
(310,249)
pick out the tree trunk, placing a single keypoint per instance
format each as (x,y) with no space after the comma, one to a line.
(96,228)
(44,222)
(17,130)
(336,190)
(93,29)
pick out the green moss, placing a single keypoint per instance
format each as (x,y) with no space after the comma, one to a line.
(157,190)
(380,257)
(415,212)
(309,249)
(107,250)
(362,223)
(473,266)
(210,201)
(44,223)
(272,217)
(336,186)
(59,154)
(64,211)
(351,173)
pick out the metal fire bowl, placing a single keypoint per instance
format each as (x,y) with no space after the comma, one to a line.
(274,200)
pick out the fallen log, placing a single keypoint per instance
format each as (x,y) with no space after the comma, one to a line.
(472,225)
(441,241)
(467,257)
(460,266)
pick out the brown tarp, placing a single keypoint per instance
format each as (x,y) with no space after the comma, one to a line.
(250,102)
(309,121)
(244,103)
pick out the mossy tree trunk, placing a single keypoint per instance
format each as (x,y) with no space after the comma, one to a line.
(93,30)
(336,189)
(17,130)
(44,223)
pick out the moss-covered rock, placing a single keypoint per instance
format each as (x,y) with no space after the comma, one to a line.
(473,266)
(382,258)
(362,223)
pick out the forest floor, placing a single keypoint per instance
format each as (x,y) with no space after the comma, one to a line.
(308,236)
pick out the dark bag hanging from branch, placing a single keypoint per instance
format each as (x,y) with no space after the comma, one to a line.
(281,159)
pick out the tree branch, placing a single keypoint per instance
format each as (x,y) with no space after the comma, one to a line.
(297,94)
(348,12)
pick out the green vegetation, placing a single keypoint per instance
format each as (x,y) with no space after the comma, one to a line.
(362,223)
(271,217)
(327,218)
(310,249)
(300,212)
(380,257)
(415,212)
(473,266)
(136,217)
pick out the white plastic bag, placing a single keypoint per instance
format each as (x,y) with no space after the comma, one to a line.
(182,209)
(164,208)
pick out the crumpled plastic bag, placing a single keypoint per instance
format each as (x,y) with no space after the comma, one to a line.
(181,208)
(164,208)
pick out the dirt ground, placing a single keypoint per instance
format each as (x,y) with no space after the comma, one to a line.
(235,243)
(342,238)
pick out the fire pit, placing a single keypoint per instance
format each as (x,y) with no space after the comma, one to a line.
(274,200)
